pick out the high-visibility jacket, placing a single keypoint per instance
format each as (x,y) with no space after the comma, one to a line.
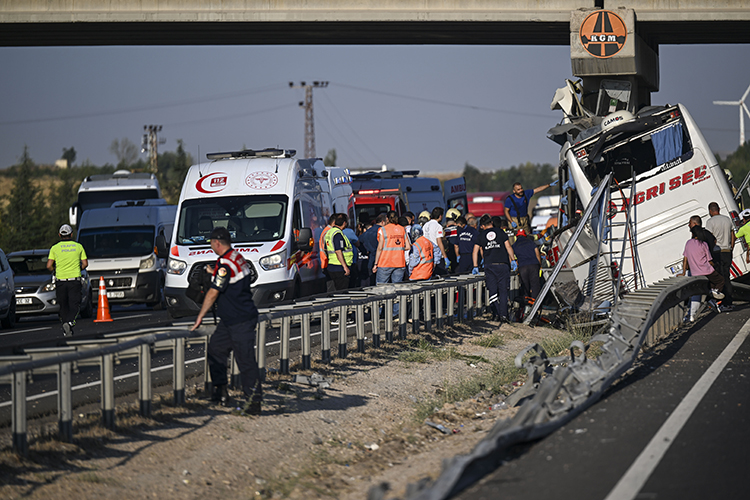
(394,246)
(321,248)
(333,258)
(423,270)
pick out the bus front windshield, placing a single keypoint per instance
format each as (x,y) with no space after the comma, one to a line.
(254,218)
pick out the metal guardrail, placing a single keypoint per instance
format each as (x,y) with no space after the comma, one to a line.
(558,389)
(462,296)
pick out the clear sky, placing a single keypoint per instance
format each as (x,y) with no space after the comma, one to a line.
(431,108)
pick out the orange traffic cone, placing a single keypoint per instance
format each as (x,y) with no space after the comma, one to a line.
(102,313)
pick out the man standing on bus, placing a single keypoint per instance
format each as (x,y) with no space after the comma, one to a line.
(517,205)
(722,228)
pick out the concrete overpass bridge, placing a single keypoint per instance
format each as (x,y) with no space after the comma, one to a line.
(259,22)
(606,40)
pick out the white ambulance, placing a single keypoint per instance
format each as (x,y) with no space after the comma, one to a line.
(274,207)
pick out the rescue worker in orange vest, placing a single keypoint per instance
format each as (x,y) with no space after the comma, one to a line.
(340,253)
(390,262)
(324,254)
(421,262)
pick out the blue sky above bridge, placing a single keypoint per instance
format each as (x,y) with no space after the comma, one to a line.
(432,108)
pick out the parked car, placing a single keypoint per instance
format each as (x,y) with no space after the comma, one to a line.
(35,289)
(7,294)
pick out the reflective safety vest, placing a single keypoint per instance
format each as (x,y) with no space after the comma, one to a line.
(423,270)
(321,248)
(333,259)
(394,246)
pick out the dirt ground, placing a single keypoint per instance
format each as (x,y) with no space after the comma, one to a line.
(367,428)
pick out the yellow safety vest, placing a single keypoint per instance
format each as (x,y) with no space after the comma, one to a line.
(333,259)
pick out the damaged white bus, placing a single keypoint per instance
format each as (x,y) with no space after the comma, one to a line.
(659,159)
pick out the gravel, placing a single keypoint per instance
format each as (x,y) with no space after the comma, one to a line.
(309,442)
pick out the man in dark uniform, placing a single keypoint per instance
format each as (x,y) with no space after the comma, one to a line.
(230,285)
(467,238)
(498,259)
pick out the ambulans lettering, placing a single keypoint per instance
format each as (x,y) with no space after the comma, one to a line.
(208,251)
(460,188)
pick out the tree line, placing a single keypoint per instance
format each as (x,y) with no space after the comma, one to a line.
(41,195)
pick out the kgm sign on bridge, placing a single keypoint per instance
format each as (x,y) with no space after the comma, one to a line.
(603,34)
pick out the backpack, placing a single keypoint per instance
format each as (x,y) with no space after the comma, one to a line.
(198,284)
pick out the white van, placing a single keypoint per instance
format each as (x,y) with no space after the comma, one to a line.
(120,244)
(100,191)
(274,207)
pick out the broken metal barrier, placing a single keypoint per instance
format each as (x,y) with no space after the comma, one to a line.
(436,302)
(62,361)
(559,388)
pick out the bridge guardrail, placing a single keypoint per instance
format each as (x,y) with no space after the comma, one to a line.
(464,296)
(558,389)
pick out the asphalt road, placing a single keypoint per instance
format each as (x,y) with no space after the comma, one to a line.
(676,427)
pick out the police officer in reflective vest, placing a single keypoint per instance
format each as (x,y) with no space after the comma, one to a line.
(323,254)
(421,262)
(66,260)
(340,253)
(498,260)
(390,262)
(230,285)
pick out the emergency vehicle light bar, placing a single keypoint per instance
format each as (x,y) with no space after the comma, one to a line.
(251,153)
(376,191)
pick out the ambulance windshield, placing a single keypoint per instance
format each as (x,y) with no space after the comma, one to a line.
(253,218)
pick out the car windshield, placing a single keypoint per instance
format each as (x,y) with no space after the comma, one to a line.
(248,218)
(28,265)
(126,241)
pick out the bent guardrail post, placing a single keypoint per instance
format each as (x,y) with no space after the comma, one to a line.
(65,402)
(20,442)
(427,297)
(144,379)
(107,375)
(343,311)
(439,308)
(375,319)
(325,341)
(286,322)
(402,310)
(260,349)
(451,304)
(360,318)
(178,371)
(415,307)
(461,303)
(306,342)
(388,313)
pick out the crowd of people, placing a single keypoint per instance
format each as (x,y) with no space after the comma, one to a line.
(408,248)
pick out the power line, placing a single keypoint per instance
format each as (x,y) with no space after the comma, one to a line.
(354,150)
(150,107)
(444,103)
(343,119)
(309,120)
(229,117)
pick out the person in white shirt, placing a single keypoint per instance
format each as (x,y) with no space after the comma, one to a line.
(433,231)
(722,228)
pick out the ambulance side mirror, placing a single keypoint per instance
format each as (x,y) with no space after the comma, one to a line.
(305,241)
(161,246)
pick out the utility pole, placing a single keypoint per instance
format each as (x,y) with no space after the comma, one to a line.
(309,121)
(149,144)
